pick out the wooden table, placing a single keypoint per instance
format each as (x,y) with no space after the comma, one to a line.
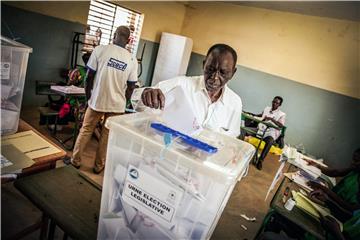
(296,216)
(41,163)
(67,199)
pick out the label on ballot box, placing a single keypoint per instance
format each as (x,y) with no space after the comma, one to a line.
(151,196)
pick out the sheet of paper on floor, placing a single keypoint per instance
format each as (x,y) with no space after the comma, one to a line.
(276,179)
(31,144)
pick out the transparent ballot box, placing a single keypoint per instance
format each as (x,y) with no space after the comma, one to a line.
(14,60)
(161,184)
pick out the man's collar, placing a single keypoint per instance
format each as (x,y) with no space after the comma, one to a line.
(200,84)
(273,111)
(201,87)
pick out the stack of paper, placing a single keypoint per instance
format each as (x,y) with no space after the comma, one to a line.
(312,170)
(293,157)
(313,209)
(301,178)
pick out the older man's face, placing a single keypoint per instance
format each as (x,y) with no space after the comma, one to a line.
(218,70)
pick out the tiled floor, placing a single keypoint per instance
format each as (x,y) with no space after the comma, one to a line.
(247,197)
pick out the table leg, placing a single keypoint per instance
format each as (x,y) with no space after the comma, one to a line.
(51,230)
(30,229)
(44,226)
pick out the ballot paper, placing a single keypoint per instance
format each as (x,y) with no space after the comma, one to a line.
(276,179)
(178,113)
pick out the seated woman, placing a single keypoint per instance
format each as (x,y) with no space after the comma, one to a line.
(351,230)
(343,200)
(347,192)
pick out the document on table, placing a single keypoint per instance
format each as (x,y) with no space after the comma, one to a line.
(68,89)
(178,113)
(31,144)
(296,158)
(313,209)
(299,179)
(13,160)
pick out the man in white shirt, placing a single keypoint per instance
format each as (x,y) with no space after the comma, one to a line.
(276,116)
(111,77)
(215,105)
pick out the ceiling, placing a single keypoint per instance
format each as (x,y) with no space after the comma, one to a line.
(339,10)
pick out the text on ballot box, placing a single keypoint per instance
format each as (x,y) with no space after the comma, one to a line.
(151,196)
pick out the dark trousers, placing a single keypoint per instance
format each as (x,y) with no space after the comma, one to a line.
(269,141)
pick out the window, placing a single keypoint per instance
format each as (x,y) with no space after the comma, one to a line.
(103,19)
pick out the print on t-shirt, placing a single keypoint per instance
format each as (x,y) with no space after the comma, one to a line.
(117,64)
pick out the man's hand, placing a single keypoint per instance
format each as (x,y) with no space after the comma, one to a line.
(331,226)
(311,163)
(316,186)
(319,196)
(153,97)
(266,118)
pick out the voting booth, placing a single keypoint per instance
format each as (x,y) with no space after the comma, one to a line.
(162,184)
(14,60)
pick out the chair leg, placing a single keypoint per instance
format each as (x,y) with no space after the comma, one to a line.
(44,226)
(55,125)
(47,122)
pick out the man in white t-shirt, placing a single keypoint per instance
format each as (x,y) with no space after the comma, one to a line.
(276,116)
(111,77)
(215,105)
